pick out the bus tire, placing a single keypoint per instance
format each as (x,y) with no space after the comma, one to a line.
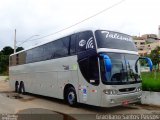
(71,97)
(16,86)
(22,88)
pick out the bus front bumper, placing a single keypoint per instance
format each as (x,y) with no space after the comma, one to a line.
(122,99)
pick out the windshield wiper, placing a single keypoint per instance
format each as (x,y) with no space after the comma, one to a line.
(122,72)
(131,73)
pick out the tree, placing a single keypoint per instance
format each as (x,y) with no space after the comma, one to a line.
(7,50)
(4,58)
(19,49)
(155,56)
(4,64)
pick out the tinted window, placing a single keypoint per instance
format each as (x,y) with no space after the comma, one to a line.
(85,41)
(47,51)
(55,49)
(89,69)
(35,54)
(17,59)
(65,45)
(29,56)
(22,58)
(93,69)
(84,67)
(10,61)
(73,45)
(114,40)
(59,48)
(62,47)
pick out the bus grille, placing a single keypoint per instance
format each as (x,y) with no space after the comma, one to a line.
(127,89)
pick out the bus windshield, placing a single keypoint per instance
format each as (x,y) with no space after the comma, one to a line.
(123,69)
(114,40)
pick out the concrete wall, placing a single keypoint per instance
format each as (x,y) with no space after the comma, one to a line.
(152,98)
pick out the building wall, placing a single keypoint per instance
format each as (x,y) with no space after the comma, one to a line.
(147,42)
(152,46)
(144,48)
(140,44)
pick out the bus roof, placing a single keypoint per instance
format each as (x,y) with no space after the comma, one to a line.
(61,35)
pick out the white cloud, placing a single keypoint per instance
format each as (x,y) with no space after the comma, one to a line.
(43,17)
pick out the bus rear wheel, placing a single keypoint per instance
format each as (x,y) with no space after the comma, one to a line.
(71,97)
(16,86)
(21,88)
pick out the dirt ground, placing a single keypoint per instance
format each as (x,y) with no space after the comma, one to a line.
(13,103)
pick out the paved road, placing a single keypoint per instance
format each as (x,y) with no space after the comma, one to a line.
(12,103)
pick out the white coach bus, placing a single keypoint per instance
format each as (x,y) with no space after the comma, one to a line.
(95,67)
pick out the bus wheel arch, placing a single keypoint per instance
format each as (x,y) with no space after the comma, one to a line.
(70,95)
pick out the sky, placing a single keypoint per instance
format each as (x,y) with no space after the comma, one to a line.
(37,18)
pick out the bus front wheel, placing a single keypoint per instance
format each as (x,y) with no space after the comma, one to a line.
(71,97)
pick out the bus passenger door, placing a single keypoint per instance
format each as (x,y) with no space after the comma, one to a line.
(88,72)
(89,91)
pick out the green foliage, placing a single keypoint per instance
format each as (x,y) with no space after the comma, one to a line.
(7,50)
(151,81)
(155,56)
(19,49)
(4,63)
(4,59)
(7,78)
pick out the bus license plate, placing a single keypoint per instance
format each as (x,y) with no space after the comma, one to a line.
(125,102)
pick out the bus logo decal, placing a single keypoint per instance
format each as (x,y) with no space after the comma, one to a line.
(82,43)
(116,36)
(90,43)
(84,90)
(66,67)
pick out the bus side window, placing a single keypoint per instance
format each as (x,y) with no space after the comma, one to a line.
(17,59)
(61,48)
(11,62)
(29,58)
(72,50)
(65,46)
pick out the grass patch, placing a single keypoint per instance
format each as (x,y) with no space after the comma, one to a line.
(7,78)
(151,81)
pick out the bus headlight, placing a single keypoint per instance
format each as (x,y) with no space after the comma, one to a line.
(138,89)
(110,91)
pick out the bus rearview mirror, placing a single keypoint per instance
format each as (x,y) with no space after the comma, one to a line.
(148,60)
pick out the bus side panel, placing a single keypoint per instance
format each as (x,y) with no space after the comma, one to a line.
(67,74)
(45,83)
(12,78)
(47,78)
(88,93)
(63,78)
(43,78)
(16,73)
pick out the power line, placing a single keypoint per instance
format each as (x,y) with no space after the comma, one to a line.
(104,10)
(28,39)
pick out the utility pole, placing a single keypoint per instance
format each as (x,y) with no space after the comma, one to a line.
(15,42)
